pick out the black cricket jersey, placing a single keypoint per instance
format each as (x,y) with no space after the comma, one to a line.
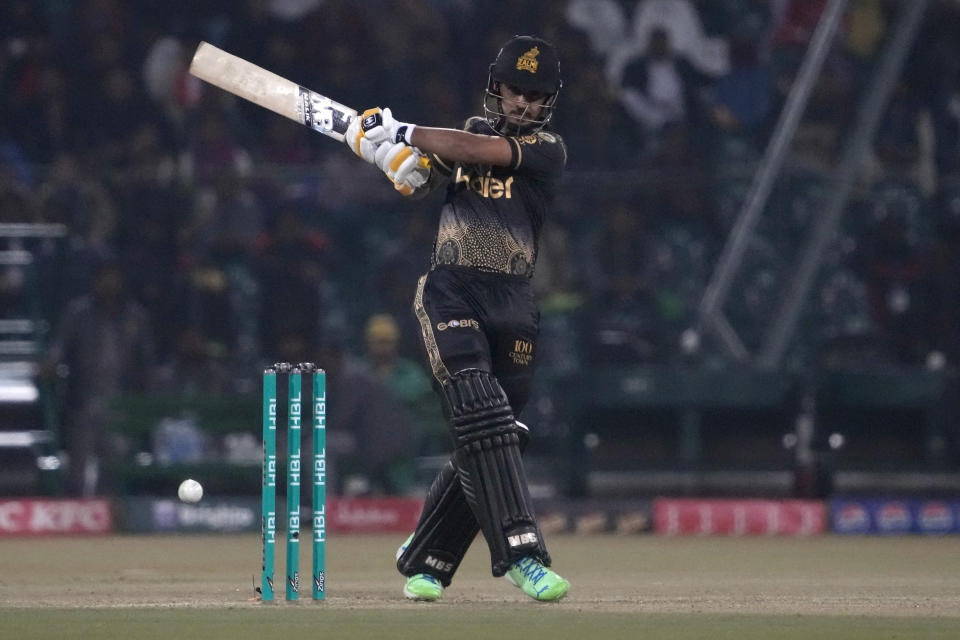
(476,307)
(492,216)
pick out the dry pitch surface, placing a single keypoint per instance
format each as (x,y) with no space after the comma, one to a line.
(629,587)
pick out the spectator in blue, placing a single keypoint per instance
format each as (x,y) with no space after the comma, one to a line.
(741,102)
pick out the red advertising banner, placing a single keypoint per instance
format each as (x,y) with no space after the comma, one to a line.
(371,515)
(739,517)
(37,517)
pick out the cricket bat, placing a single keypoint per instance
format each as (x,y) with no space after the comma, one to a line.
(273,92)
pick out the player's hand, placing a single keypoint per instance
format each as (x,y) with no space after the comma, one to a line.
(406,166)
(380,126)
(357,135)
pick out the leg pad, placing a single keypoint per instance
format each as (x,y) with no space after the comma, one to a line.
(490,469)
(447,527)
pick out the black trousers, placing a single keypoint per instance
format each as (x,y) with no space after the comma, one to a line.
(476,320)
(469,320)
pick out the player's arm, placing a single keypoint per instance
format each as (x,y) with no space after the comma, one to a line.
(380,139)
(455,145)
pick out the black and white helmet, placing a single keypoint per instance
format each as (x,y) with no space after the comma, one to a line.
(529,64)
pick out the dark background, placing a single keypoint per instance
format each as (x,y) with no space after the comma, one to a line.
(245,239)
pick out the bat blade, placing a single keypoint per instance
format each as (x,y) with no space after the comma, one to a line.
(285,97)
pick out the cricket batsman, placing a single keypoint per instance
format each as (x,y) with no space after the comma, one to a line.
(477,313)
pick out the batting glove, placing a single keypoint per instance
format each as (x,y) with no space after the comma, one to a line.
(380,126)
(355,137)
(406,166)
(368,131)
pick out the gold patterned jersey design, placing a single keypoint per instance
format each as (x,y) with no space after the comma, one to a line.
(492,215)
(487,247)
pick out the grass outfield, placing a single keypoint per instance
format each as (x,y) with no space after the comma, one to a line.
(623,587)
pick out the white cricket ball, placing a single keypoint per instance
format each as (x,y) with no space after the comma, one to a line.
(690,341)
(936,361)
(190,491)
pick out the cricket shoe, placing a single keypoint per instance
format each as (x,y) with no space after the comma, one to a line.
(537,581)
(423,586)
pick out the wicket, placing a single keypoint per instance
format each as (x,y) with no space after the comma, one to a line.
(318,474)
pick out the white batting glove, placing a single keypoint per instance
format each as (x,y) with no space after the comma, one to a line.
(355,137)
(380,126)
(406,166)
(373,128)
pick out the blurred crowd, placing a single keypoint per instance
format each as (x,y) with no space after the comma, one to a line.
(236,237)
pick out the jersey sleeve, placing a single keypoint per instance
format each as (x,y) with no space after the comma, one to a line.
(543,154)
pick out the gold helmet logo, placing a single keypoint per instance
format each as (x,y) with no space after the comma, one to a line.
(528,61)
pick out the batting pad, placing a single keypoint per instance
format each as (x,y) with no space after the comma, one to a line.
(490,469)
